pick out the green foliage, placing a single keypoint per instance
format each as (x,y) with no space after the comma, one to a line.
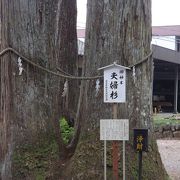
(40,161)
(66,131)
(40,175)
(159,120)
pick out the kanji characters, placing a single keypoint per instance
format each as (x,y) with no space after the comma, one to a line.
(114,85)
(114,75)
(139,145)
(139,138)
(114,94)
(121,71)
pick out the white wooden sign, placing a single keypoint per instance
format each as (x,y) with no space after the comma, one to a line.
(114,129)
(114,85)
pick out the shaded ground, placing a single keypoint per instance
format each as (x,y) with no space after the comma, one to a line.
(170,154)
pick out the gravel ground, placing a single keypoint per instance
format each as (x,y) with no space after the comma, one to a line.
(170,154)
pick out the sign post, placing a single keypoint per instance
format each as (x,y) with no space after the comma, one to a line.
(113,130)
(115,147)
(105,160)
(115,92)
(124,160)
(140,145)
(140,166)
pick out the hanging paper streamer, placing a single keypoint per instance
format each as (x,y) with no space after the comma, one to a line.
(97,86)
(20,66)
(65,90)
(134,73)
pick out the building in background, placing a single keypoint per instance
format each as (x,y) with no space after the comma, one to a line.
(166,58)
(166,36)
(81,42)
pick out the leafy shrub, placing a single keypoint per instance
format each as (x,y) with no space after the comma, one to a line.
(66,131)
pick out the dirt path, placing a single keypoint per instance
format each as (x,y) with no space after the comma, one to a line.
(170,154)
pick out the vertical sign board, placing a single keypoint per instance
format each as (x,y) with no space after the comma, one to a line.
(140,145)
(115,84)
(141,139)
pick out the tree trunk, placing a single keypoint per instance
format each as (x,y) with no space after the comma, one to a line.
(117,31)
(32,103)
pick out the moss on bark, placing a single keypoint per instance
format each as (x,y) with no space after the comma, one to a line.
(87,163)
(36,161)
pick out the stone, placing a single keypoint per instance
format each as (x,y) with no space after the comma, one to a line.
(156,129)
(167,134)
(166,128)
(161,129)
(177,127)
(176,134)
(173,128)
(158,135)
(177,117)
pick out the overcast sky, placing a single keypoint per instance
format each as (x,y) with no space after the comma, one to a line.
(164,12)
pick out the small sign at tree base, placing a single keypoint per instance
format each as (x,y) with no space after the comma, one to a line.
(140,145)
(141,139)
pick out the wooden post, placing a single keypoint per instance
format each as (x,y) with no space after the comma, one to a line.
(176,90)
(115,148)
(105,160)
(124,159)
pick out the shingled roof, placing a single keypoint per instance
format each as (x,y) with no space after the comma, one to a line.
(156,31)
(166,30)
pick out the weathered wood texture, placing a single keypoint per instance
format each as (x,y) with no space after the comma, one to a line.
(31,104)
(118,30)
(121,31)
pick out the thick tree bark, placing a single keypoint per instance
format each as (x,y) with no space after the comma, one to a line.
(31,104)
(117,31)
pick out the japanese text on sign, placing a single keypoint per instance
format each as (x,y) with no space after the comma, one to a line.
(114,85)
(139,144)
(141,139)
(114,129)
